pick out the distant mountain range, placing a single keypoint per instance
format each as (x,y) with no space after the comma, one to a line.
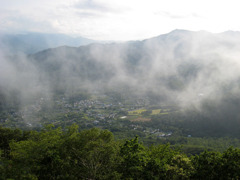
(194,70)
(33,42)
(182,66)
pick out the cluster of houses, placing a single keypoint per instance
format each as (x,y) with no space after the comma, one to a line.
(100,112)
(155,132)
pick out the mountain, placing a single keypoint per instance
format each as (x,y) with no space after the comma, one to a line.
(182,67)
(33,42)
(172,62)
(197,71)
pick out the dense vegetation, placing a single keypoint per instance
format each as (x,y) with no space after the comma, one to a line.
(127,117)
(179,96)
(53,153)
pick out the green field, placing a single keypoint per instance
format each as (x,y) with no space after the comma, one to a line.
(156,111)
(140,111)
(136,112)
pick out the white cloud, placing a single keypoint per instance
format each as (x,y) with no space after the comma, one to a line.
(119,20)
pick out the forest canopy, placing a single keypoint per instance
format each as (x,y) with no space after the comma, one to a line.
(54,153)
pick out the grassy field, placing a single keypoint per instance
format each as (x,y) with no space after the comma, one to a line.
(156,111)
(136,112)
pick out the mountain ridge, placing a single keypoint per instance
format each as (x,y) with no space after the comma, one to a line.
(193,70)
(26,43)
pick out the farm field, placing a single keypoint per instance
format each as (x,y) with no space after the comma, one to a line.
(136,112)
(139,112)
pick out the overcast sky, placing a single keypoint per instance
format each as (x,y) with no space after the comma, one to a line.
(118,19)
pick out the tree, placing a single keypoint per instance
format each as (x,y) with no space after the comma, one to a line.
(93,154)
(207,165)
(160,159)
(39,156)
(56,154)
(231,164)
(180,167)
(134,159)
(7,135)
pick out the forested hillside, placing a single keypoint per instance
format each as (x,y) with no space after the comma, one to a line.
(95,154)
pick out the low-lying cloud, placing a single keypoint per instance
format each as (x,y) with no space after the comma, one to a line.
(182,67)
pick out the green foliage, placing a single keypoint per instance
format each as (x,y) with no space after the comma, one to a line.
(40,149)
(93,153)
(134,158)
(159,162)
(180,168)
(2,168)
(215,165)
(8,135)
(207,164)
(231,164)
(54,153)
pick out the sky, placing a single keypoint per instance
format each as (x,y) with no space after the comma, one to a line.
(118,19)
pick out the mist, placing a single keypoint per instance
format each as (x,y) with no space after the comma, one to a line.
(184,68)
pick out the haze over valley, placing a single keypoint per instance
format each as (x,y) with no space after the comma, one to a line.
(195,71)
(108,89)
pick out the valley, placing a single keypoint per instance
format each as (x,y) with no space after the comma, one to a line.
(180,88)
